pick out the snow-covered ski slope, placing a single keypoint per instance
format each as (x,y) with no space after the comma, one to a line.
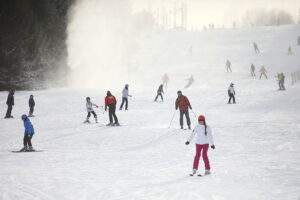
(257,141)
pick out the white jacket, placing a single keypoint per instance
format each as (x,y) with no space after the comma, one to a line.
(89,107)
(125,93)
(201,138)
(231,90)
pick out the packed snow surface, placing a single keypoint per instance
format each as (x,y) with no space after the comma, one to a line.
(257,140)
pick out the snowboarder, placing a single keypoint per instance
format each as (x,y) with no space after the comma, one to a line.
(263,71)
(89,109)
(125,95)
(204,138)
(256,48)
(252,69)
(228,66)
(10,103)
(28,134)
(165,80)
(111,102)
(290,52)
(160,91)
(231,93)
(183,103)
(31,103)
(190,82)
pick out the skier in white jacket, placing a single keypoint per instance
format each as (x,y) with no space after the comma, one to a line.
(89,109)
(204,138)
(125,95)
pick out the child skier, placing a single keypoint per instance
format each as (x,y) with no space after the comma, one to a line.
(231,93)
(111,102)
(204,138)
(89,109)
(160,92)
(125,95)
(28,134)
(31,103)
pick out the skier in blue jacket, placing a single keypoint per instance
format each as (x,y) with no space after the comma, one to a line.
(29,132)
(31,103)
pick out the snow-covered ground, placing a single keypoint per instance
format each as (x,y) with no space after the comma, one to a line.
(257,153)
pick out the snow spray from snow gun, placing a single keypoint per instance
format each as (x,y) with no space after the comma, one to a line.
(172,119)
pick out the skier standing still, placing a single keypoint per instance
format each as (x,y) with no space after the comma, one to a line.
(231,93)
(263,71)
(111,102)
(252,69)
(160,91)
(183,103)
(28,134)
(10,102)
(204,138)
(31,103)
(89,109)
(125,95)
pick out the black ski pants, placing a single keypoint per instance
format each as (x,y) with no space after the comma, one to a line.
(187,116)
(9,109)
(27,140)
(31,110)
(124,100)
(112,113)
(161,96)
(89,114)
(231,96)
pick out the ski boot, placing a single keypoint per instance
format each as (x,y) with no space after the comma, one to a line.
(181,127)
(189,127)
(109,124)
(87,121)
(31,148)
(207,172)
(25,148)
(116,124)
(96,120)
(194,172)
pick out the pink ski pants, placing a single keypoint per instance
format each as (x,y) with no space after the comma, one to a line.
(204,149)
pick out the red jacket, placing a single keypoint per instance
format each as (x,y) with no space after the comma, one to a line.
(183,103)
(109,100)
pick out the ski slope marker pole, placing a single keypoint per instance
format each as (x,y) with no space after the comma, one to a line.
(172,118)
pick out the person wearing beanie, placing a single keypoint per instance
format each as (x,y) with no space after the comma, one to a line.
(125,95)
(183,103)
(204,138)
(28,134)
(111,102)
(89,109)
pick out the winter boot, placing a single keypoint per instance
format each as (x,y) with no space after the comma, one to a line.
(25,148)
(109,124)
(87,121)
(181,127)
(207,172)
(116,124)
(189,127)
(194,172)
(31,148)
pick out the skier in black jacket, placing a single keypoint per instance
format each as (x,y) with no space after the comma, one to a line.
(10,103)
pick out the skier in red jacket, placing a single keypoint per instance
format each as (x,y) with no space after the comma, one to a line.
(111,102)
(183,103)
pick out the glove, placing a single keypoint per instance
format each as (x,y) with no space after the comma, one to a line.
(105,109)
(187,143)
(213,146)
(191,107)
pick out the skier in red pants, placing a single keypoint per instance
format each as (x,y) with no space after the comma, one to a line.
(204,138)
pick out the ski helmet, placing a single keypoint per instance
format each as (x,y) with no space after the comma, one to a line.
(24,116)
(201,118)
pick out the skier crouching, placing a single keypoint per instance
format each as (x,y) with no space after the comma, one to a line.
(28,134)
(89,109)
(204,138)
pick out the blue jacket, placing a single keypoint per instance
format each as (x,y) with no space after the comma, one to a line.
(31,102)
(28,127)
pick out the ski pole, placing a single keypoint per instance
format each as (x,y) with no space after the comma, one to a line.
(172,118)
(194,114)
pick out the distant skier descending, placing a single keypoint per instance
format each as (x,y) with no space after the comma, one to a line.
(256,48)
(231,93)
(89,109)
(204,138)
(252,70)
(263,71)
(165,80)
(190,82)
(281,79)
(290,52)
(183,103)
(228,66)
(28,134)
(111,102)
(10,102)
(31,103)
(125,95)
(160,92)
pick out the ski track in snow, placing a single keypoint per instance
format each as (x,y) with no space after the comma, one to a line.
(257,153)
